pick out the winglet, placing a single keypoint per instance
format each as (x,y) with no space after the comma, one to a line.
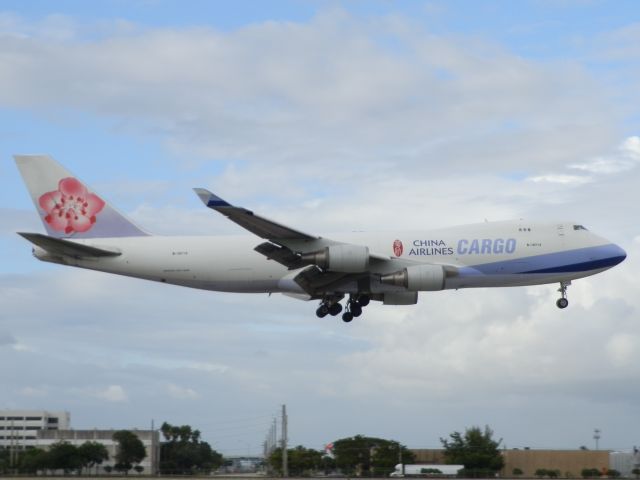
(209,199)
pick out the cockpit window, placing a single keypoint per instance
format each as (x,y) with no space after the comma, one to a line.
(578,227)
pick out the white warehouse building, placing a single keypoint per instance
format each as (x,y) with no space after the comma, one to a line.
(19,428)
(23,429)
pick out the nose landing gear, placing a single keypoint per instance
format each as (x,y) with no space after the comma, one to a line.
(562,302)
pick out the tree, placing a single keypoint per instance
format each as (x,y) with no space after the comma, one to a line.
(4,460)
(185,453)
(130,450)
(301,461)
(369,455)
(32,460)
(590,472)
(540,472)
(63,456)
(636,472)
(92,454)
(517,471)
(476,450)
(613,473)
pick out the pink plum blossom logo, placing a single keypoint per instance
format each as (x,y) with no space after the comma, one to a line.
(397,248)
(71,208)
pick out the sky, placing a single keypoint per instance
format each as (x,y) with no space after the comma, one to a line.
(328,117)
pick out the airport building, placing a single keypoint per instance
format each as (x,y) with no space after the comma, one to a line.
(569,463)
(19,428)
(22,429)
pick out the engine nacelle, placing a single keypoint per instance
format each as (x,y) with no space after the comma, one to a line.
(400,298)
(418,278)
(341,258)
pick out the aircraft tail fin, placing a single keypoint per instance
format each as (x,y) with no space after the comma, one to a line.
(67,207)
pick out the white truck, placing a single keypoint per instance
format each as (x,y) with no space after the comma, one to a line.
(426,470)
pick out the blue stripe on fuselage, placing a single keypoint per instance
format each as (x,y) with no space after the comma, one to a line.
(570,261)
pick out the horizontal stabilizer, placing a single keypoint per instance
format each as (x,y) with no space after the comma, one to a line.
(58,246)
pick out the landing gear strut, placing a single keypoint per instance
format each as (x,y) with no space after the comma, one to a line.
(562,301)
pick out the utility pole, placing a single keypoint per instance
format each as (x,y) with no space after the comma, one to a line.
(285,460)
(12,452)
(274,435)
(596,436)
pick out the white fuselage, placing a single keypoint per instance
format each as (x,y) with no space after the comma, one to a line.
(491,254)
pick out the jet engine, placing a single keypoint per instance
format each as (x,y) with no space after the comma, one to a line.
(417,278)
(400,298)
(341,258)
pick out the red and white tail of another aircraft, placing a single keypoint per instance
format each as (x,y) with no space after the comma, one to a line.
(83,230)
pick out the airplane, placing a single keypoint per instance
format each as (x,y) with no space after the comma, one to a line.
(85,231)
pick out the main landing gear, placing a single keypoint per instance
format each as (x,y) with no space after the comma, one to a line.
(562,302)
(327,308)
(353,307)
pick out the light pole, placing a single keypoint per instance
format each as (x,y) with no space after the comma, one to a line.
(596,436)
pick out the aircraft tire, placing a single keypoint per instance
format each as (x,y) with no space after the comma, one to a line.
(364,300)
(335,309)
(347,317)
(356,309)
(562,303)
(322,311)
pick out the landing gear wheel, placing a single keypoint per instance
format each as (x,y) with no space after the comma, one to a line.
(335,309)
(322,311)
(356,309)
(364,300)
(347,317)
(562,301)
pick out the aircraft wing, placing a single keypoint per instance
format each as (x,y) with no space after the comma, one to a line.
(290,247)
(285,243)
(256,224)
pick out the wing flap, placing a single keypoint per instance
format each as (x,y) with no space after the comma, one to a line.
(282,255)
(312,279)
(58,246)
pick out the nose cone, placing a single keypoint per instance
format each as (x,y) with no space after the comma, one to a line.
(610,255)
(617,255)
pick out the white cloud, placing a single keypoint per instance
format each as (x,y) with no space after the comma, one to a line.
(622,349)
(33,391)
(563,179)
(627,158)
(327,97)
(111,393)
(208,367)
(181,393)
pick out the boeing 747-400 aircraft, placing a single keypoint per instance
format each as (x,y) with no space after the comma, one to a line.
(83,230)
